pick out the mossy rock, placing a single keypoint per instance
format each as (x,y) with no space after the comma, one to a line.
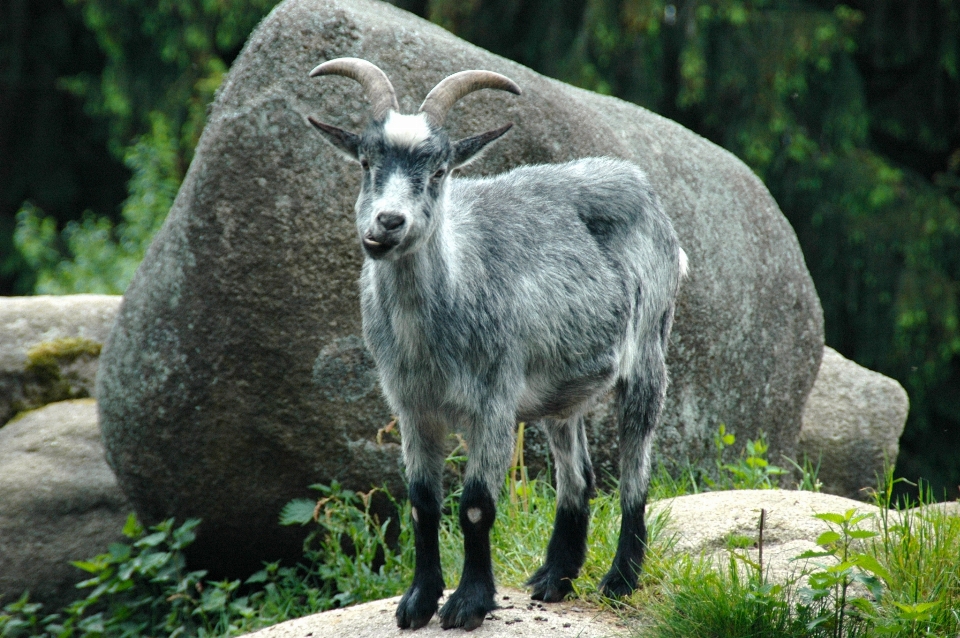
(59,370)
(50,348)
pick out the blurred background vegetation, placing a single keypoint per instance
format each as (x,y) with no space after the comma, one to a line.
(849,112)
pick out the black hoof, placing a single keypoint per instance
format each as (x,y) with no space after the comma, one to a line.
(549,585)
(416,608)
(615,585)
(467,607)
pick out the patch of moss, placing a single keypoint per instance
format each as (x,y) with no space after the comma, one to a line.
(44,359)
(48,376)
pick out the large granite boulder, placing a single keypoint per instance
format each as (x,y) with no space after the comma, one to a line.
(236,374)
(852,425)
(59,502)
(49,348)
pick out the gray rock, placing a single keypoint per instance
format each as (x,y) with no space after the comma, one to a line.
(518,617)
(712,524)
(61,502)
(236,376)
(852,424)
(49,347)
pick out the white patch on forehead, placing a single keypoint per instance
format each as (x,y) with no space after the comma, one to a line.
(474,514)
(395,195)
(406,130)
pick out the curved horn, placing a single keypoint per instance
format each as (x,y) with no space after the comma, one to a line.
(375,82)
(444,95)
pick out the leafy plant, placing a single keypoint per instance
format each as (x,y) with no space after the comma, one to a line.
(833,582)
(751,471)
(135,589)
(349,551)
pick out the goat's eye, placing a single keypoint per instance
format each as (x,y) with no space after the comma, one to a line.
(439,174)
(364,164)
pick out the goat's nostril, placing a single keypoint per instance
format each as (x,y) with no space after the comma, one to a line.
(391,221)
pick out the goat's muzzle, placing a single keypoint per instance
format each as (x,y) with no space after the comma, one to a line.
(386,232)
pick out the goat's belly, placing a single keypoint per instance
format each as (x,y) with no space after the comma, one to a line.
(562,400)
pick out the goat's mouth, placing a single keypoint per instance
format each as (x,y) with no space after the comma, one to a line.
(377,247)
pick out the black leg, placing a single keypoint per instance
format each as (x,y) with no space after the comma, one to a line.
(474,598)
(419,603)
(640,395)
(621,580)
(568,544)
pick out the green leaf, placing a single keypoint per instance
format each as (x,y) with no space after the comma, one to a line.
(831,518)
(861,533)
(132,528)
(87,566)
(152,540)
(870,564)
(812,554)
(828,537)
(258,577)
(298,512)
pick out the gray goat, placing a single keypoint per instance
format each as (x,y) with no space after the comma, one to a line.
(524,296)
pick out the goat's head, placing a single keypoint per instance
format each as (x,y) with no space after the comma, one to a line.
(406,159)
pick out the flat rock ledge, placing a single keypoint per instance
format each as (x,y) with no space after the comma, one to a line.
(518,617)
(705,524)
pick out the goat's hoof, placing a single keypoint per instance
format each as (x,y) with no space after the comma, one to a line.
(468,606)
(549,586)
(416,608)
(614,585)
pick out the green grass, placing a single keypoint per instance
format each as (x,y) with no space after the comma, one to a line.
(912,568)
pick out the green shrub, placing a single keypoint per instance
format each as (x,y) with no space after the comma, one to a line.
(94,255)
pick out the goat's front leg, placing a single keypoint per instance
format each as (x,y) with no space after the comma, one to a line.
(423,453)
(490,447)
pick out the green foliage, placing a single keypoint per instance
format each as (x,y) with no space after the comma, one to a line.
(832,582)
(162,64)
(371,568)
(751,471)
(98,256)
(918,548)
(699,599)
(137,588)
(166,57)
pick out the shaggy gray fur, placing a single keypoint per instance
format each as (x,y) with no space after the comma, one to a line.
(535,292)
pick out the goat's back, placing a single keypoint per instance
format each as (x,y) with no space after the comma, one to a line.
(596,218)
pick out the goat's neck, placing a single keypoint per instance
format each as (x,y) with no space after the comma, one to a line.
(421,278)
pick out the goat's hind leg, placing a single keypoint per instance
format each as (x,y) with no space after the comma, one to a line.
(640,396)
(424,453)
(568,543)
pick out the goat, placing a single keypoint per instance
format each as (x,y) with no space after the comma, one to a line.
(485,301)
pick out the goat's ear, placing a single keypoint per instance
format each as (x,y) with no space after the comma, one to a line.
(469,149)
(346,142)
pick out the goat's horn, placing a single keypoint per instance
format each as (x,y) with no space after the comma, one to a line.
(375,82)
(445,95)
